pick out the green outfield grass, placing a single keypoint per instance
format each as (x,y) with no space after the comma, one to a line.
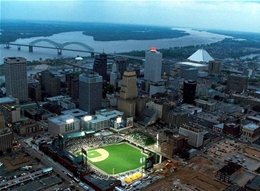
(122,158)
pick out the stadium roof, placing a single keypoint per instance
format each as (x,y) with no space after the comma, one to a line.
(200,55)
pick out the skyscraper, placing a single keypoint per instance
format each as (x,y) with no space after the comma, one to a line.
(50,83)
(153,65)
(214,67)
(16,78)
(100,65)
(121,64)
(73,84)
(90,92)
(189,91)
(128,94)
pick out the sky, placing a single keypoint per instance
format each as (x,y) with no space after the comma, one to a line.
(235,15)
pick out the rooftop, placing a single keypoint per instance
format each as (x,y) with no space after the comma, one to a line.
(75,112)
(5,100)
(230,168)
(63,119)
(197,65)
(251,126)
(254,184)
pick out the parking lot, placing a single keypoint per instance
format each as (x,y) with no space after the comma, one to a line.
(223,148)
(231,151)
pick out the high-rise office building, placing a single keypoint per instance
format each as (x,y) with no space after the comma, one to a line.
(153,65)
(214,67)
(121,64)
(73,85)
(90,92)
(114,76)
(34,91)
(16,78)
(189,73)
(189,91)
(100,65)
(6,139)
(128,94)
(237,83)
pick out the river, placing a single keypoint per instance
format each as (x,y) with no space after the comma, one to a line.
(195,38)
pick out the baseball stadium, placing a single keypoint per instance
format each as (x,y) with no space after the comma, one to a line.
(109,154)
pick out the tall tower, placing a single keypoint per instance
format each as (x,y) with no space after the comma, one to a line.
(214,67)
(121,64)
(16,78)
(128,94)
(189,91)
(90,92)
(153,65)
(114,75)
(100,65)
(73,82)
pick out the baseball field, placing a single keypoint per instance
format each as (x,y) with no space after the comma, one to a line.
(116,158)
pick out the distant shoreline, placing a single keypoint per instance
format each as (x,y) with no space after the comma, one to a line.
(14,30)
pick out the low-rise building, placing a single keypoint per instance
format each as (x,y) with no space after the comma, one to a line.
(194,134)
(229,172)
(251,132)
(63,124)
(94,122)
(218,127)
(75,112)
(206,105)
(27,127)
(12,112)
(253,184)
(176,117)
(232,129)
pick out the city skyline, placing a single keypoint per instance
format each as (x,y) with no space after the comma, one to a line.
(231,15)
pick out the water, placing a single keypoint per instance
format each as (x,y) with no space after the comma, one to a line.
(250,56)
(195,38)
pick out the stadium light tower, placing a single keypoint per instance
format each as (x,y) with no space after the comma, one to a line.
(142,161)
(157,147)
(118,121)
(60,141)
(85,153)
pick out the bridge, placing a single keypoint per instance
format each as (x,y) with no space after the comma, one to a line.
(62,46)
(55,45)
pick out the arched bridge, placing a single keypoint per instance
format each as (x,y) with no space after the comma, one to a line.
(59,46)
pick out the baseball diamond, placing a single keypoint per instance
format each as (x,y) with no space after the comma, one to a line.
(115,158)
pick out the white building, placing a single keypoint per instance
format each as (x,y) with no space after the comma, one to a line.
(251,132)
(95,122)
(153,65)
(201,55)
(16,78)
(75,112)
(63,124)
(195,135)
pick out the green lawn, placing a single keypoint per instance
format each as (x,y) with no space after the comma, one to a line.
(122,158)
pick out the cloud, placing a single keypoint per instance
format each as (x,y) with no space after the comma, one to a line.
(220,14)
